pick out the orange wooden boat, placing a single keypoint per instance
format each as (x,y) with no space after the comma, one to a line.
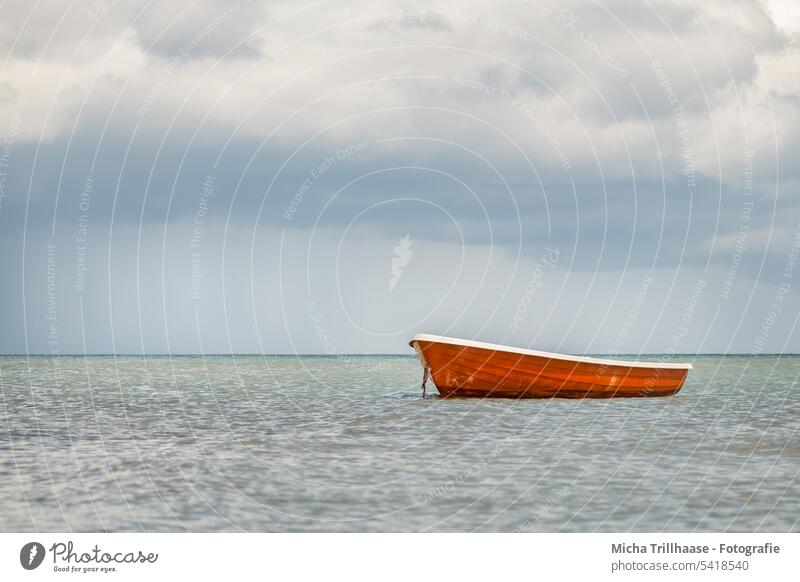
(468,368)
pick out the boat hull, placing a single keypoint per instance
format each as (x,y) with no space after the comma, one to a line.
(498,372)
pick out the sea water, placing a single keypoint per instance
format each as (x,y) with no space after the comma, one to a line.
(285,443)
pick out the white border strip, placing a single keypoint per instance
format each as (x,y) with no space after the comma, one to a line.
(397,557)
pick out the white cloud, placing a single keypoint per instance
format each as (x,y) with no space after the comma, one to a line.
(785,14)
(326,67)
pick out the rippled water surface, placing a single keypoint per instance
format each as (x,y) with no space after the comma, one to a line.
(347,444)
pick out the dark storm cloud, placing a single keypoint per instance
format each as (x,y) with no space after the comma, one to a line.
(612,224)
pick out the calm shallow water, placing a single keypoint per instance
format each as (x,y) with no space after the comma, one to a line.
(346,444)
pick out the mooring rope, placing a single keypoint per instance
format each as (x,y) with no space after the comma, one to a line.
(425,370)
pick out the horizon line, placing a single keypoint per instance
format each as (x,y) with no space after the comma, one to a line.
(348,354)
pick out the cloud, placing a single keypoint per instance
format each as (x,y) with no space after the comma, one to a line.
(629,135)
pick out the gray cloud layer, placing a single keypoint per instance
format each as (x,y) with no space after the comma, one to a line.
(218,177)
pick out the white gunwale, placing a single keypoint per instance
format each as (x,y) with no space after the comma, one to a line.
(424,337)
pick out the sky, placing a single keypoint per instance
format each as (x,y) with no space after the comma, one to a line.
(334,177)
